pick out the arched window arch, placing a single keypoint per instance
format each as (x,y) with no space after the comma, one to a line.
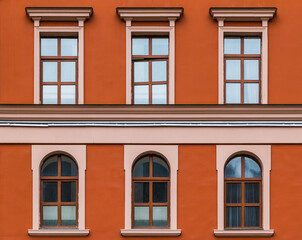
(243,193)
(59,192)
(150,192)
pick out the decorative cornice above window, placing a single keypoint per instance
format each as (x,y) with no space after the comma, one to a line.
(243,14)
(59,13)
(149,13)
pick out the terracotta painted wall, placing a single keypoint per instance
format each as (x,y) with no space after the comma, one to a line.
(196,50)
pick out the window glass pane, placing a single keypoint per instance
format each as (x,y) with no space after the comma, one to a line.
(251,93)
(160,216)
(141,71)
(251,218)
(233,168)
(68,191)
(50,94)
(251,192)
(159,71)
(233,93)
(50,71)
(141,192)
(69,47)
(251,69)
(68,166)
(68,71)
(140,46)
(141,216)
(49,47)
(141,94)
(160,46)
(233,217)
(232,46)
(251,168)
(68,215)
(141,168)
(160,192)
(159,94)
(252,46)
(233,192)
(233,69)
(67,94)
(160,167)
(50,167)
(50,216)
(50,191)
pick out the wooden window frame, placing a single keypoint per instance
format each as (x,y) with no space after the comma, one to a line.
(59,59)
(243,57)
(242,181)
(150,58)
(150,204)
(59,179)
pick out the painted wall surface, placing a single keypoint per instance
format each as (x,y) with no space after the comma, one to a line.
(196,50)
(105,179)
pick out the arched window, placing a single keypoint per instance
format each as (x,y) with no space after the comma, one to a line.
(243,193)
(59,188)
(150,192)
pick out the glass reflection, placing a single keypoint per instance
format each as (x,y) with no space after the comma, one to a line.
(49,47)
(140,46)
(251,69)
(68,215)
(141,167)
(251,168)
(251,93)
(233,69)
(160,216)
(50,71)
(50,167)
(160,167)
(68,94)
(141,71)
(252,45)
(50,94)
(159,94)
(159,71)
(141,94)
(68,166)
(233,168)
(233,93)
(50,216)
(232,46)
(160,46)
(68,71)
(141,216)
(69,47)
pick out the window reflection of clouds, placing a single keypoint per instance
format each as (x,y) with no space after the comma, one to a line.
(252,169)
(233,168)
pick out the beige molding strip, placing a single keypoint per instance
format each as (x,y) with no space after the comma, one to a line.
(150,233)
(58,233)
(151,113)
(59,13)
(243,14)
(149,13)
(243,233)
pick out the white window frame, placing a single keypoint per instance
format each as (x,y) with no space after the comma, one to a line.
(131,154)
(59,14)
(150,14)
(39,154)
(263,154)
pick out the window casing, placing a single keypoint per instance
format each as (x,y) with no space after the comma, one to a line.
(59,70)
(243,193)
(150,61)
(242,74)
(59,192)
(150,193)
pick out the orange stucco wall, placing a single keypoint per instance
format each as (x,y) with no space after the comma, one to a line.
(105,181)
(196,50)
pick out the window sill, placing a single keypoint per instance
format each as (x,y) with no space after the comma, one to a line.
(150,232)
(58,233)
(243,233)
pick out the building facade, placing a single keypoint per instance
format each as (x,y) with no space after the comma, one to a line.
(150,119)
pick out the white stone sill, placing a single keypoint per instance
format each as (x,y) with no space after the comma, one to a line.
(150,232)
(244,233)
(58,233)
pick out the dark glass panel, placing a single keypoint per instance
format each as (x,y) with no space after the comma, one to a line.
(50,191)
(251,168)
(141,168)
(233,168)
(251,218)
(141,192)
(68,191)
(50,167)
(160,216)
(252,192)
(160,168)
(160,192)
(141,216)
(233,192)
(233,217)
(68,166)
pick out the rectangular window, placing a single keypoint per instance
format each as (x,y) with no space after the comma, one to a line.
(150,56)
(242,61)
(59,64)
